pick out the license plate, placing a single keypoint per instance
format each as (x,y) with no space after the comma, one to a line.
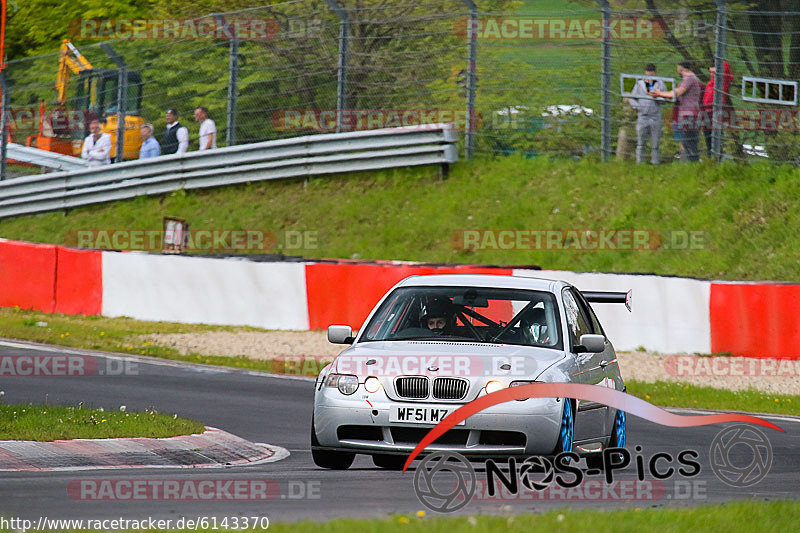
(412,414)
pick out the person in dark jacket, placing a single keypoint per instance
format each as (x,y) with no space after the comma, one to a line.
(176,137)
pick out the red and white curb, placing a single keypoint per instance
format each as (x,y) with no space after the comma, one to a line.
(213,448)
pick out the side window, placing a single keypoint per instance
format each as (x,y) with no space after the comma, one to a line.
(577,322)
(587,309)
(384,317)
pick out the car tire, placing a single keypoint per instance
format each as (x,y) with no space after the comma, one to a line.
(618,439)
(566,431)
(329,459)
(619,435)
(389,462)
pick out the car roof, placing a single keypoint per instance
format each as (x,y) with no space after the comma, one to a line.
(482,280)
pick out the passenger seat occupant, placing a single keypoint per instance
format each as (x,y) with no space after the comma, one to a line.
(535,326)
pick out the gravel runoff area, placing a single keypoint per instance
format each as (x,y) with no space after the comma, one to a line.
(733,373)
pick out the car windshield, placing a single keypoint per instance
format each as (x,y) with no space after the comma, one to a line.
(468,314)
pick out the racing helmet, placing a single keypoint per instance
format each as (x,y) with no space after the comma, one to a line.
(436,308)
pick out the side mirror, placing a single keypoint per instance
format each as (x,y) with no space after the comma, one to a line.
(591,344)
(340,335)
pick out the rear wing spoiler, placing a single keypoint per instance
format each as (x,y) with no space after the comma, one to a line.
(607,297)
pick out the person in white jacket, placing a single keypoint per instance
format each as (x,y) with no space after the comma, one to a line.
(97,146)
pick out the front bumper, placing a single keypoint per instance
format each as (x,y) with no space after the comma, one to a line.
(360,423)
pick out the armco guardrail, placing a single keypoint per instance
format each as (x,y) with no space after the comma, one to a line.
(286,158)
(43,158)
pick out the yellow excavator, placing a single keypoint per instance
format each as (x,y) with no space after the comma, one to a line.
(96,97)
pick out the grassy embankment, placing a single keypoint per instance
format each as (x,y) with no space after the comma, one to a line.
(744,215)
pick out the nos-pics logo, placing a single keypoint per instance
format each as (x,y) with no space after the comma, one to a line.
(740,456)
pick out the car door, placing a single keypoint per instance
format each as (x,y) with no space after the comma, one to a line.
(591,418)
(608,361)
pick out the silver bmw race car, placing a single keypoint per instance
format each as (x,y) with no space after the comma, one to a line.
(435,343)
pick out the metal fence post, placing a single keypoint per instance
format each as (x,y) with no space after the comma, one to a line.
(472,39)
(3,126)
(233,90)
(605,135)
(122,93)
(233,82)
(719,76)
(341,75)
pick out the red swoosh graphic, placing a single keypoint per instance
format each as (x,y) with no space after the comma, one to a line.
(594,393)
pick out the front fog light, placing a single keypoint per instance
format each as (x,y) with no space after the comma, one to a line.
(494,386)
(346,383)
(372,384)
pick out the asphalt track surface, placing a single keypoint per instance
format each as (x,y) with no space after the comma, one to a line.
(277,410)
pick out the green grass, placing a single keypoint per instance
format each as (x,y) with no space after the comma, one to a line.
(123,335)
(745,213)
(769,516)
(676,394)
(51,422)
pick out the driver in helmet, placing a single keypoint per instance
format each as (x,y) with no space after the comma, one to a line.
(436,315)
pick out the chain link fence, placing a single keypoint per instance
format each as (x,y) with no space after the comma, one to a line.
(514,77)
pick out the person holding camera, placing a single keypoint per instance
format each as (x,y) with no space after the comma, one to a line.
(688,94)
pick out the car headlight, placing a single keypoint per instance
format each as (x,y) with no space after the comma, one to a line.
(372,384)
(493,386)
(518,384)
(346,383)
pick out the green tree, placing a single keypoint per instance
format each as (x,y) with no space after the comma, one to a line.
(37,26)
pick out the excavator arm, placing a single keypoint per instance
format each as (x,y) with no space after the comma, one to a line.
(70,61)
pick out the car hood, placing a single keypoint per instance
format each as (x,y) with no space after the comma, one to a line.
(442,358)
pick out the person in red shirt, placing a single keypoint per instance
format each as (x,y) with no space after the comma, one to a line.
(708,100)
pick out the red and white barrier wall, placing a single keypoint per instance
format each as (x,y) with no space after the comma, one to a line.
(50,278)
(670,314)
(206,291)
